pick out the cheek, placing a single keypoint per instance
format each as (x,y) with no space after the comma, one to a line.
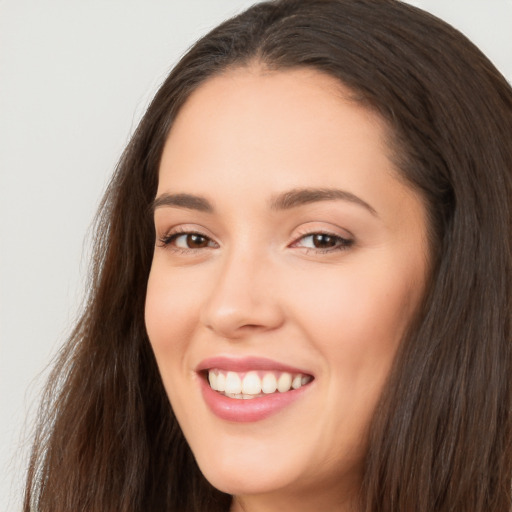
(169,315)
(357,315)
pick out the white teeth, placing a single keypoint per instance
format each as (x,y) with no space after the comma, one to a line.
(269,383)
(234,395)
(284,382)
(240,396)
(297,382)
(251,384)
(212,379)
(221,382)
(233,383)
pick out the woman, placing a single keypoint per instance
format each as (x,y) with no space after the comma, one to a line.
(302,285)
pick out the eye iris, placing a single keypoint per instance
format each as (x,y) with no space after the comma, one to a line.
(195,241)
(323,241)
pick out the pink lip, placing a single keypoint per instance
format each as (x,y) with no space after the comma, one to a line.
(245,411)
(254,409)
(246,364)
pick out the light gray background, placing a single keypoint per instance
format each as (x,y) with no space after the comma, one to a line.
(75,78)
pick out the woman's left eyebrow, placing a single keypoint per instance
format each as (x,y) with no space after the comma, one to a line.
(301,196)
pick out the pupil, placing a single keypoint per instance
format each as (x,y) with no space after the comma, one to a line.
(195,241)
(321,241)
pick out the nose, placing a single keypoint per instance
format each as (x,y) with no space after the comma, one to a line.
(243,298)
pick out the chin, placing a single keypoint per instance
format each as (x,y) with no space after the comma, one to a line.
(247,482)
(249,472)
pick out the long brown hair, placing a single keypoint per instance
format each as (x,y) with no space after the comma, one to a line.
(441,438)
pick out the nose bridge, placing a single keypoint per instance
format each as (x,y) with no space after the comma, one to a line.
(241,297)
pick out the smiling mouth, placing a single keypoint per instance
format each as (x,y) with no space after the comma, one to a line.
(254,384)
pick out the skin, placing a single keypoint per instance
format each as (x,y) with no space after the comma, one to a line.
(257,285)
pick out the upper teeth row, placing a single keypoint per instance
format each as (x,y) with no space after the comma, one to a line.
(252,384)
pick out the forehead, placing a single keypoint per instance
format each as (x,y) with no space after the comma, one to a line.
(248,136)
(273,119)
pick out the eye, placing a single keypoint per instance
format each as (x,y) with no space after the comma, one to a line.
(187,241)
(323,242)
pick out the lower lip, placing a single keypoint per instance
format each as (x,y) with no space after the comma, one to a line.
(249,410)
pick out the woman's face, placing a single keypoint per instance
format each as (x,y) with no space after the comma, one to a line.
(288,253)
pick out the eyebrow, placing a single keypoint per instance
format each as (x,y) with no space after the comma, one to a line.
(283,201)
(302,196)
(188,201)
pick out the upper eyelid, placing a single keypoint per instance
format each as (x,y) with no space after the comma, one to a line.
(334,231)
(185,229)
(328,233)
(178,233)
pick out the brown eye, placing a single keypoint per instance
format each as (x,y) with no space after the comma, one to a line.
(324,241)
(184,241)
(195,241)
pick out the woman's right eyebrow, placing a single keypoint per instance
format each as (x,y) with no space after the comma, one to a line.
(188,201)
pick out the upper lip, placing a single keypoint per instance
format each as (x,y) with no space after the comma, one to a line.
(246,364)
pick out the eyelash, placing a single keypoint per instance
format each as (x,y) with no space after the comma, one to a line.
(167,240)
(341,244)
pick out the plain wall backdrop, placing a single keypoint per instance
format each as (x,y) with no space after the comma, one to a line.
(75,78)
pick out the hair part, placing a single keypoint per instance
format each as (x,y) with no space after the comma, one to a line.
(441,438)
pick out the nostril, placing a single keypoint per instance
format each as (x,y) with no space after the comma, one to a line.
(252,327)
